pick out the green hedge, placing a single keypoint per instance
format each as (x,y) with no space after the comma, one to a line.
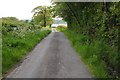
(94,54)
(16,45)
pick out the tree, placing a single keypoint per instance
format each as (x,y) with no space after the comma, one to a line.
(97,21)
(42,15)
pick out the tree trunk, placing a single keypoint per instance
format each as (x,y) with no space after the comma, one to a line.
(45,18)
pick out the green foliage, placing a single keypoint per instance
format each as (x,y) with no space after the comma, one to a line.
(0,47)
(19,41)
(15,47)
(42,16)
(61,28)
(12,23)
(96,23)
(92,54)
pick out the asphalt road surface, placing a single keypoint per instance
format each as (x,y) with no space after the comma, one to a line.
(53,57)
(54,30)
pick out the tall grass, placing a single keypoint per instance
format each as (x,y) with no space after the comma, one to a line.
(16,45)
(0,48)
(92,54)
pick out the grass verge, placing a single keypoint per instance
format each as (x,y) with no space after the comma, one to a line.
(16,45)
(90,53)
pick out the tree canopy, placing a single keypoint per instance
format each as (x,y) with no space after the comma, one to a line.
(99,21)
(42,15)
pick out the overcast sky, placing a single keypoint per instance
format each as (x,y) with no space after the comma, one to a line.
(20,8)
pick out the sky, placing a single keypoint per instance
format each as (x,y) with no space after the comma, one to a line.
(20,9)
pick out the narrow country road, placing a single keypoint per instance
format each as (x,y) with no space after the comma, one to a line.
(53,57)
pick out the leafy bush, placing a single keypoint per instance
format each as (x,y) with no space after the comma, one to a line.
(18,40)
(15,47)
(99,23)
(61,28)
(97,55)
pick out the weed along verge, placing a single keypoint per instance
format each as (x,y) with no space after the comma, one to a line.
(94,33)
(92,53)
(16,45)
